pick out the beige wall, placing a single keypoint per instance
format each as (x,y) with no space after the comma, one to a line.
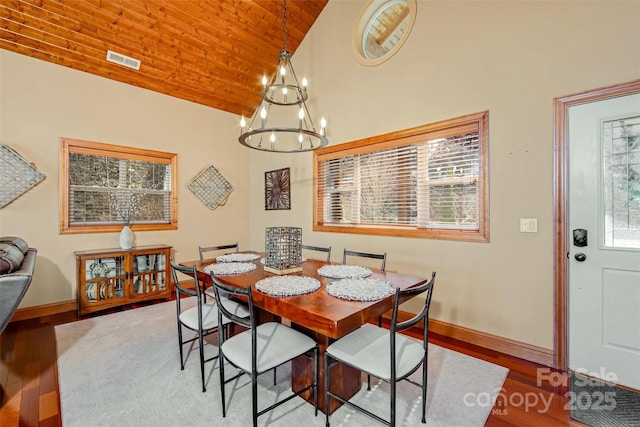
(511,58)
(41,102)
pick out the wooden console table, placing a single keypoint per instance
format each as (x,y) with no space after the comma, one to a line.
(108,278)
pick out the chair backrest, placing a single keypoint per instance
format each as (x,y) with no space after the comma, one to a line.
(203,249)
(422,315)
(319,249)
(382,257)
(181,290)
(400,326)
(223,293)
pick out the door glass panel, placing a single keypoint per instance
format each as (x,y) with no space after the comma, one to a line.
(621,182)
(104,278)
(149,274)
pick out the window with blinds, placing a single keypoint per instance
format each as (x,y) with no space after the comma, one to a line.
(107,186)
(429,181)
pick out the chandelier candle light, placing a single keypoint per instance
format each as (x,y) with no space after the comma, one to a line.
(296,133)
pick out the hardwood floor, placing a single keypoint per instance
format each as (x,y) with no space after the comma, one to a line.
(29,380)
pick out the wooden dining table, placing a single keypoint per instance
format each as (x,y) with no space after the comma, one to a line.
(319,315)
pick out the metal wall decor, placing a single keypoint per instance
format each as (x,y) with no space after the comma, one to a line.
(277,190)
(210,187)
(283,250)
(17,176)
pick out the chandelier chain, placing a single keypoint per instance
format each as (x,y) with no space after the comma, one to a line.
(284,27)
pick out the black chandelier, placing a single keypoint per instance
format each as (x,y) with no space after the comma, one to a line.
(280,130)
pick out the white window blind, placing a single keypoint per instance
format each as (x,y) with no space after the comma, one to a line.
(106,186)
(108,190)
(448,173)
(339,189)
(429,180)
(372,188)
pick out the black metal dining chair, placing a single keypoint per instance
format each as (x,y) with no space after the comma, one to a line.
(202,318)
(259,348)
(204,249)
(385,354)
(382,257)
(318,249)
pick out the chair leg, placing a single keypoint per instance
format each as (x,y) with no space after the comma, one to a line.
(180,345)
(369,375)
(201,341)
(424,391)
(316,377)
(221,369)
(326,388)
(254,397)
(393,402)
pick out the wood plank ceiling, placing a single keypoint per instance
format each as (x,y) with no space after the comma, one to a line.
(212,52)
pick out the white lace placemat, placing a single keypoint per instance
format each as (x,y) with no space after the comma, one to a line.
(228,268)
(360,289)
(343,271)
(286,286)
(237,257)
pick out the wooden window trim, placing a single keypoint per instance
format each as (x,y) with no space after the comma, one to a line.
(69,146)
(473,122)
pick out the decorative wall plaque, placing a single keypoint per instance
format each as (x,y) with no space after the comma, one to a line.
(210,187)
(277,190)
(17,176)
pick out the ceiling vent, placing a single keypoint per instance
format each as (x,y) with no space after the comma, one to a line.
(121,59)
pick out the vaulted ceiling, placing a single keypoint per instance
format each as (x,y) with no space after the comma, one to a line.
(212,52)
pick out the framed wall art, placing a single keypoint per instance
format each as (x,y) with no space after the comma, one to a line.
(277,190)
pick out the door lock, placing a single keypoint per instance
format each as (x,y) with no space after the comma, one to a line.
(579,237)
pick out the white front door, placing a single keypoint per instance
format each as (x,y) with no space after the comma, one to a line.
(604,275)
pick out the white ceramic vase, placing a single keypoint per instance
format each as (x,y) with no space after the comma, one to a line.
(126,238)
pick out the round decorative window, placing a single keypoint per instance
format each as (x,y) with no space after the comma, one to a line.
(382,28)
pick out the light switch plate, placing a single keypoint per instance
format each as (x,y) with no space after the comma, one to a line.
(528,225)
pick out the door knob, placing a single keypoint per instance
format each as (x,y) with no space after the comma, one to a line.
(580,257)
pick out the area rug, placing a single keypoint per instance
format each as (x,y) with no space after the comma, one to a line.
(123,369)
